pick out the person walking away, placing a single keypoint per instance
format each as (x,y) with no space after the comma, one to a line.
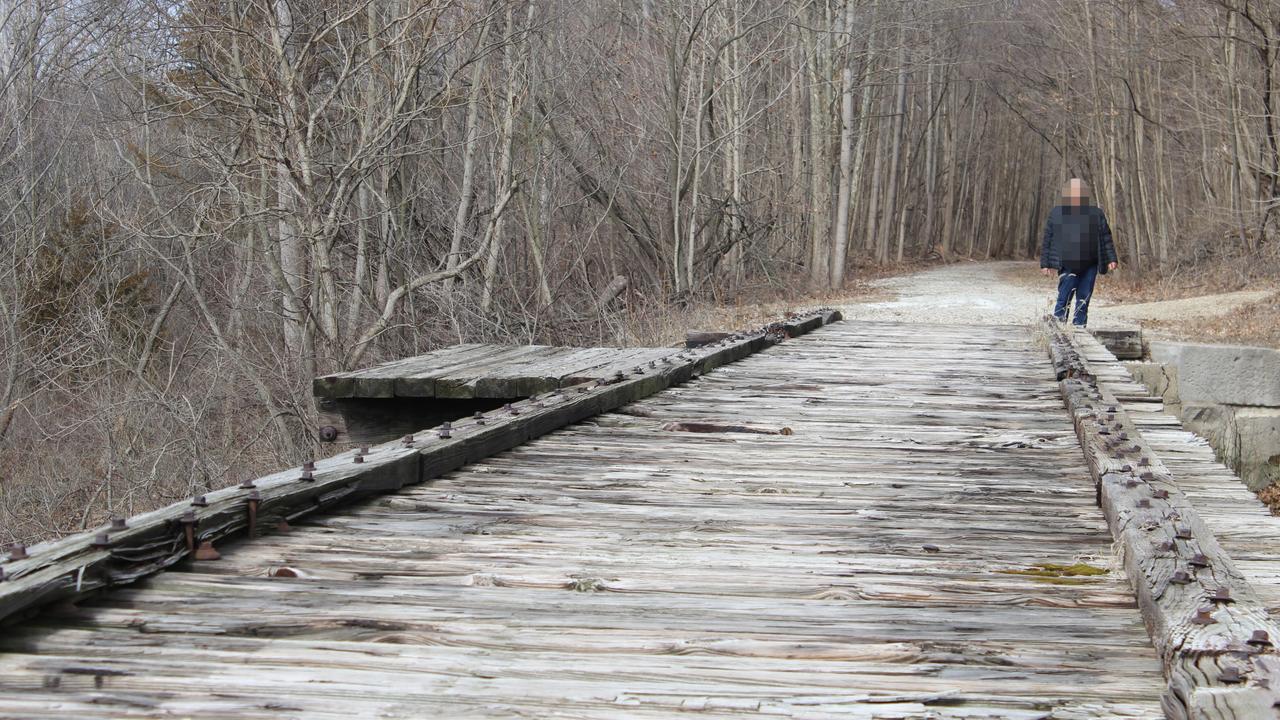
(1077,246)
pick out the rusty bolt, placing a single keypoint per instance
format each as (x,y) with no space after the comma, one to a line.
(247,485)
(1259,637)
(1222,595)
(1148,476)
(1230,675)
(1131,483)
(119,523)
(307,476)
(199,501)
(1126,468)
(1184,533)
(1160,494)
(1203,616)
(1180,577)
(1144,503)
(1167,545)
(358,458)
(100,541)
(1198,560)
(309,466)
(1111,409)
(1144,462)
(445,431)
(206,551)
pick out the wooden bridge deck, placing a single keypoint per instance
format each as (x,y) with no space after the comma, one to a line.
(865,565)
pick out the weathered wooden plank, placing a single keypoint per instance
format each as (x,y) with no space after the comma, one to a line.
(1214,635)
(615,569)
(72,567)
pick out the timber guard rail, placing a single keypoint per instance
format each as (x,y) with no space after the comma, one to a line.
(1213,635)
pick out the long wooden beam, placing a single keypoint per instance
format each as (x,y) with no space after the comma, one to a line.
(66,570)
(1210,628)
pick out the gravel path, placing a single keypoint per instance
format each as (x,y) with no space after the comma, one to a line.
(959,294)
(981,293)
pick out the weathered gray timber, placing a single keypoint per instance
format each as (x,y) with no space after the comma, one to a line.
(67,569)
(923,544)
(488,371)
(1210,627)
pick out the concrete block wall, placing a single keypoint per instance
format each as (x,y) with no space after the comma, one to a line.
(1228,394)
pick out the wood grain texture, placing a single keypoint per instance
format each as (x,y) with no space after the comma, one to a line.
(892,558)
(1210,627)
(69,568)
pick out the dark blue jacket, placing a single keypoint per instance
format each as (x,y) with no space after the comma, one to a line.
(1066,228)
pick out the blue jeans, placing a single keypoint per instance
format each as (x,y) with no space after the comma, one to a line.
(1080,284)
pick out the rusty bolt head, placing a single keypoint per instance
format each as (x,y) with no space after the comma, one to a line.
(1198,560)
(255,496)
(1180,577)
(1203,616)
(1148,476)
(358,458)
(1131,483)
(247,484)
(199,501)
(309,466)
(1144,503)
(1144,462)
(1126,468)
(1222,595)
(1111,409)
(1231,675)
(307,476)
(1167,546)
(445,431)
(1184,533)
(206,551)
(1259,637)
(1160,494)
(119,523)
(100,541)
(188,517)
(18,551)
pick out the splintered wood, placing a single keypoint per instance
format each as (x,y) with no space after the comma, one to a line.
(924,543)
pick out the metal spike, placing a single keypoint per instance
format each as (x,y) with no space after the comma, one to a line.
(199,501)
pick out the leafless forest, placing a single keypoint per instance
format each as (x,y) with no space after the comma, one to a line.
(204,204)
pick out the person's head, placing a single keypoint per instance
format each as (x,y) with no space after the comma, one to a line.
(1075,192)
